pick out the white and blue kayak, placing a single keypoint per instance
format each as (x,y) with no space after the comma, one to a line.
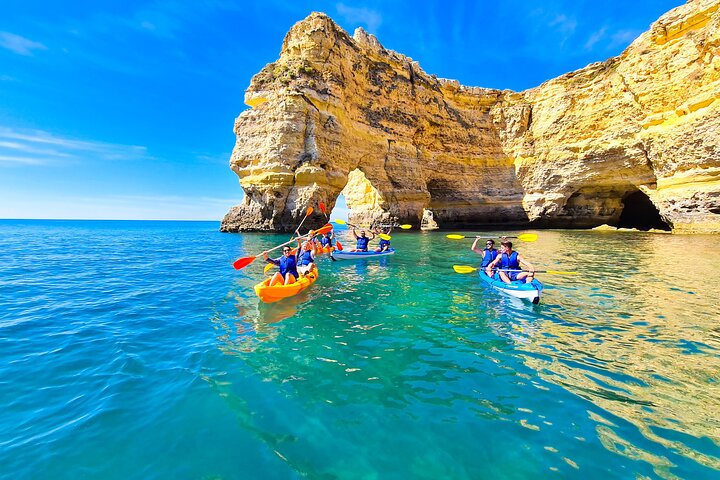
(519,289)
(346,255)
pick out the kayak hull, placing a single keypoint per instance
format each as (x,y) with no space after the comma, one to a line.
(518,289)
(277,292)
(328,249)
(346,255)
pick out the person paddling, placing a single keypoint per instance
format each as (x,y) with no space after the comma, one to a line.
(510,260)
(326,239)
(362,241)
(489,253)
(384,244)
(288,267)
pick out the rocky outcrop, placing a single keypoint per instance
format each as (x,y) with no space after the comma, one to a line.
(342,114)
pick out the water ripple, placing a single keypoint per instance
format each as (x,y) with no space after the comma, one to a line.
(132,349)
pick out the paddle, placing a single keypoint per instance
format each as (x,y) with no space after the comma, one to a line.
(523,237)
(469,269)
(404,226)
(322,209)
(245,261)
(343,222)
(268,267)
(307,213)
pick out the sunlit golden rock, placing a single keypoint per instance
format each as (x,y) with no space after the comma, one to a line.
(576,151)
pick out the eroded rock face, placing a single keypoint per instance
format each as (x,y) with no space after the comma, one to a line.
(564,154)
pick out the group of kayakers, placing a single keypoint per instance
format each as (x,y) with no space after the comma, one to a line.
(363,240)
(302,260)
(504,263)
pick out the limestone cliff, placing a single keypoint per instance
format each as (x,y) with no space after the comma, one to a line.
(337,112)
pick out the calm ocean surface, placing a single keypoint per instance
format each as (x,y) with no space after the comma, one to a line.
(135,350)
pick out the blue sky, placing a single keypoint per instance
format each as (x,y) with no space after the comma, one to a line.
(124,109)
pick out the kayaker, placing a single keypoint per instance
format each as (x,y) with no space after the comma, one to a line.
(507,265)
(384,244)
(489,253)
(288,267)
(362,240)
(326,239)
(306,257)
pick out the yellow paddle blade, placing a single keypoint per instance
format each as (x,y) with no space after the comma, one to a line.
(455,236)
(527,237)
(384,236)
(405,226)
(340,222)
(463,268)
(268,267)
(556,272)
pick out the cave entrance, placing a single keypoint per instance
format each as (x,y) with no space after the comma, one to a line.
(639,212)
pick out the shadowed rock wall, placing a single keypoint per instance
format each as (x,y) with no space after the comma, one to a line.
(567,153)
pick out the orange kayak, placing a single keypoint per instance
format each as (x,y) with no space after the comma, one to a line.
(277,292)
(318,250)
(327,249)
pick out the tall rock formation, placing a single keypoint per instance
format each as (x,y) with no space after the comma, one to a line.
(616,142)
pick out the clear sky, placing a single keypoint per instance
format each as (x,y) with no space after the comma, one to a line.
(124,109)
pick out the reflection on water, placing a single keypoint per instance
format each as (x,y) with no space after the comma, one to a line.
(637,335)
(623,357)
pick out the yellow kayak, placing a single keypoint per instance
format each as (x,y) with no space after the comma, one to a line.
(277,292)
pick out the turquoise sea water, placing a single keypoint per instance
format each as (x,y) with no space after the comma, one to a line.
(135,350)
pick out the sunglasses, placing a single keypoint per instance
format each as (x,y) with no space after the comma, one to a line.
(286,250)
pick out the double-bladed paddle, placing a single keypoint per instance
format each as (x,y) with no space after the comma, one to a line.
(245,261)
(523,237)
(384,236)
(404,226)
(322,209)
(469,269)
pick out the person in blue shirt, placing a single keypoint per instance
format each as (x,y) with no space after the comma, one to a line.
(362,240)
(384,244)
(507,265)
(326,239)
(306,256)
(288,267)
(488,253)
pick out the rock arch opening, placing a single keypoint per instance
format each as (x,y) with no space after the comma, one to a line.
(639,212)
(364,202)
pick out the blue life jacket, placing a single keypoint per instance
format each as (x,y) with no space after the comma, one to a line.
(509,262)
(487,259)
(384,243)
(305,258)
(362,244)
(326,241)
(288,265)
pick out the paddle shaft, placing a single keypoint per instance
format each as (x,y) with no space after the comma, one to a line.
(307,213)
(535,271)
(475,236)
